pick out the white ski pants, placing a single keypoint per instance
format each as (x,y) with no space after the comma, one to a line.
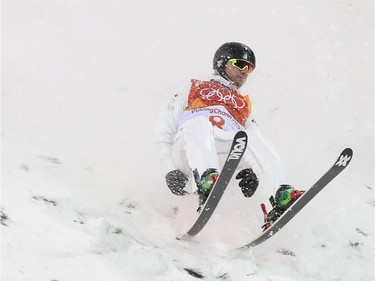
(198,145)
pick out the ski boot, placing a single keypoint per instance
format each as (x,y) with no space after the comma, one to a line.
(285,196)
(205,184)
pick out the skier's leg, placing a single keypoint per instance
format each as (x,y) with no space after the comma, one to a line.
(260,156)
(264,160)
(194,147)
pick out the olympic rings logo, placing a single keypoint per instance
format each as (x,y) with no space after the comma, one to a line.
(222,95)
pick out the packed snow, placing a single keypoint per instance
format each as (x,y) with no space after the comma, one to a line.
(83,196)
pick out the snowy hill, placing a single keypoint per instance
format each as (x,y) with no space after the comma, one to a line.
(82,192)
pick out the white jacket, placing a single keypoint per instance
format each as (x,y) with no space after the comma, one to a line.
(170,119)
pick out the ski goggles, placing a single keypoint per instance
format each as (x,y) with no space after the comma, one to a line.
(242,65)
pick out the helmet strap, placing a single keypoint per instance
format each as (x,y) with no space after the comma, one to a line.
(225,76)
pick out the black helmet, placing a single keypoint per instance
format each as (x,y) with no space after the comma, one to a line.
(229,51)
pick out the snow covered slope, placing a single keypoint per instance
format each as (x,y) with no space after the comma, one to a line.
(82,192)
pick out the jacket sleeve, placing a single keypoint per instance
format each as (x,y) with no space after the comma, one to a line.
(251,120)
(167,126)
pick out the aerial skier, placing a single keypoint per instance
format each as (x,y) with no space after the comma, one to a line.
(198,124)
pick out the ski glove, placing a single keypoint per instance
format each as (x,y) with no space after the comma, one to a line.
(249,182)
(176,182)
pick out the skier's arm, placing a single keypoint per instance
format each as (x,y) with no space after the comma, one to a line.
(251,120)
(167,127)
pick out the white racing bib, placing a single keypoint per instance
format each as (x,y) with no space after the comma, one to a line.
(217,115)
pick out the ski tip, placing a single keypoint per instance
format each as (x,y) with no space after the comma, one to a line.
(344,158)
(347,151)
(241,134)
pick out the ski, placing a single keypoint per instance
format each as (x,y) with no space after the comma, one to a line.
(234,157)
(341,163)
